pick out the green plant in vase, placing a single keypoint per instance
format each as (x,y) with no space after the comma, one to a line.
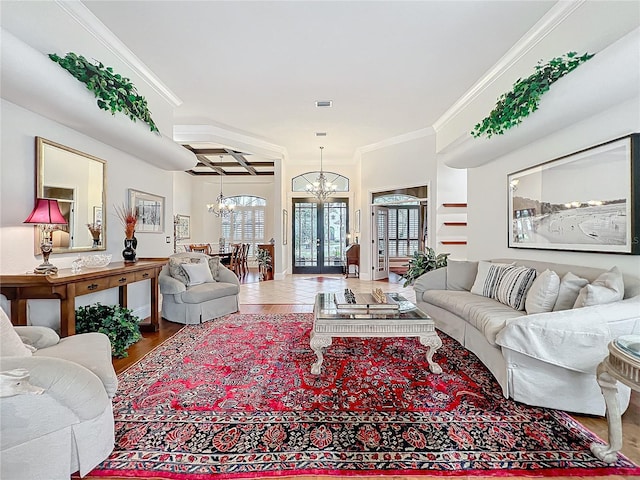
(116,322)
(423,262)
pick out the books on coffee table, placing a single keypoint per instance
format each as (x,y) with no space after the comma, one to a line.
(364,301)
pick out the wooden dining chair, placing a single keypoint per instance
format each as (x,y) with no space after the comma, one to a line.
(235,256)
(245,258)
(200,248)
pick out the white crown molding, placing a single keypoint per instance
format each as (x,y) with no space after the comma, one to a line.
(405,137)
(236,140)
(547,24)
(81,14)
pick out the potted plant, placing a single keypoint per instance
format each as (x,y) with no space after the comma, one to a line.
(423,262)
(116,322)
(264,262)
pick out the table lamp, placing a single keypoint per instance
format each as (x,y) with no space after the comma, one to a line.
(46,214)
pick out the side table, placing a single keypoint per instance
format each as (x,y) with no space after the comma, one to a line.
(622,364)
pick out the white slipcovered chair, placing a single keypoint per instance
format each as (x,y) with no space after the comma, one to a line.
(190,301)
(56,416)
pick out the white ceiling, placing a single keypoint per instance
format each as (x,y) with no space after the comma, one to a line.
(390,67)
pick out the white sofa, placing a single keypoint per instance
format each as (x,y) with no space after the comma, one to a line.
(57,418)
(192,304)
(543,359)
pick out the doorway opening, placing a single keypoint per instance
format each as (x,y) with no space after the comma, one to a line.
(399,228)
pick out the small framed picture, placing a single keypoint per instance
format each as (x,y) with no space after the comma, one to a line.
(97,215)
(183,227)
(150,211)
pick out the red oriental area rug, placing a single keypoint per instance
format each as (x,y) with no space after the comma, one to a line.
(235,398)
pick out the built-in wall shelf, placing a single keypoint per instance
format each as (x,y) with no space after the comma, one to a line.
(455,224)
(453,242)
(455,205)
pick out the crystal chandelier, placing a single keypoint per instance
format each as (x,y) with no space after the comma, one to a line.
(222,207)
(321,188)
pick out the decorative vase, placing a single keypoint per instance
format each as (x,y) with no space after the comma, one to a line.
(129,252)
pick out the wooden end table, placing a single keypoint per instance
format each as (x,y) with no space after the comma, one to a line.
(622,364)
(410,321)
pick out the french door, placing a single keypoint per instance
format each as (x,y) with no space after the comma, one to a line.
(319,234)
(380,243)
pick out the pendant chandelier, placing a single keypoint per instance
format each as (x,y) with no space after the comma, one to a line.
(321,188)
(222,207)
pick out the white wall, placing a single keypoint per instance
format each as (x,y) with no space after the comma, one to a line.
(17,193)
(409,164)
(487,187)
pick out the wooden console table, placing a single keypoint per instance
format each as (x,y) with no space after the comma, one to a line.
(66,286)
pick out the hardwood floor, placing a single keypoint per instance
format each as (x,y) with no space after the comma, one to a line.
(630,420)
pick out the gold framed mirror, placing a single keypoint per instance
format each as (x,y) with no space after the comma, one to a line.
(78,181)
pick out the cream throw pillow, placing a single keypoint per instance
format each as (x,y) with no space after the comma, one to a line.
(10,343)
(198,273)
(543,293)
(607,288)
(461,274)
(570,286)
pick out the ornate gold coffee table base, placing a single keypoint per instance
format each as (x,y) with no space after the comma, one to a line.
(328,323)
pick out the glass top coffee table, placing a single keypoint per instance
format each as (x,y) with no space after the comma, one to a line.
(409,321)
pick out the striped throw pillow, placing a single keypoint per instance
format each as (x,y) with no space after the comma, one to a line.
(512,286)
(487,279)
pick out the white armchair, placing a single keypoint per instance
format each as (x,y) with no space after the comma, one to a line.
(185,302)
(69,426)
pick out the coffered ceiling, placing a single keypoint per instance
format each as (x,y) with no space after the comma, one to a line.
(219,160)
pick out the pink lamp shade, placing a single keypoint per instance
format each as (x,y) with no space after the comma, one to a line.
(46,212)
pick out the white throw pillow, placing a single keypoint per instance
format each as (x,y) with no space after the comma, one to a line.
(487,278)
(198,273)
(607,288)
(10,343)
(461,274)
(543,293)
(513,285)
(570,287)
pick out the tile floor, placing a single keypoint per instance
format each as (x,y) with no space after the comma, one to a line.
(302,289)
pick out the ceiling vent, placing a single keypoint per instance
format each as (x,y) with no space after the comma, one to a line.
(321,134)
(324,103)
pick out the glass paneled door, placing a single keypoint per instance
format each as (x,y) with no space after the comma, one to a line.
(319,233)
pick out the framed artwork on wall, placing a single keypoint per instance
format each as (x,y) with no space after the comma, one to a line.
(580,202)
(150,211)
(97,215)
(183,227)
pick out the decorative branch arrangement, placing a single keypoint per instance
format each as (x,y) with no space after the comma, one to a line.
(115,93)
(524,98)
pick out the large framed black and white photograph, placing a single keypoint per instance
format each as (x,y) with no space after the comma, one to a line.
(580,202)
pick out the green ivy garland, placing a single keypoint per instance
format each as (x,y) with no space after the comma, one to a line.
(115,93)
(524,98)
